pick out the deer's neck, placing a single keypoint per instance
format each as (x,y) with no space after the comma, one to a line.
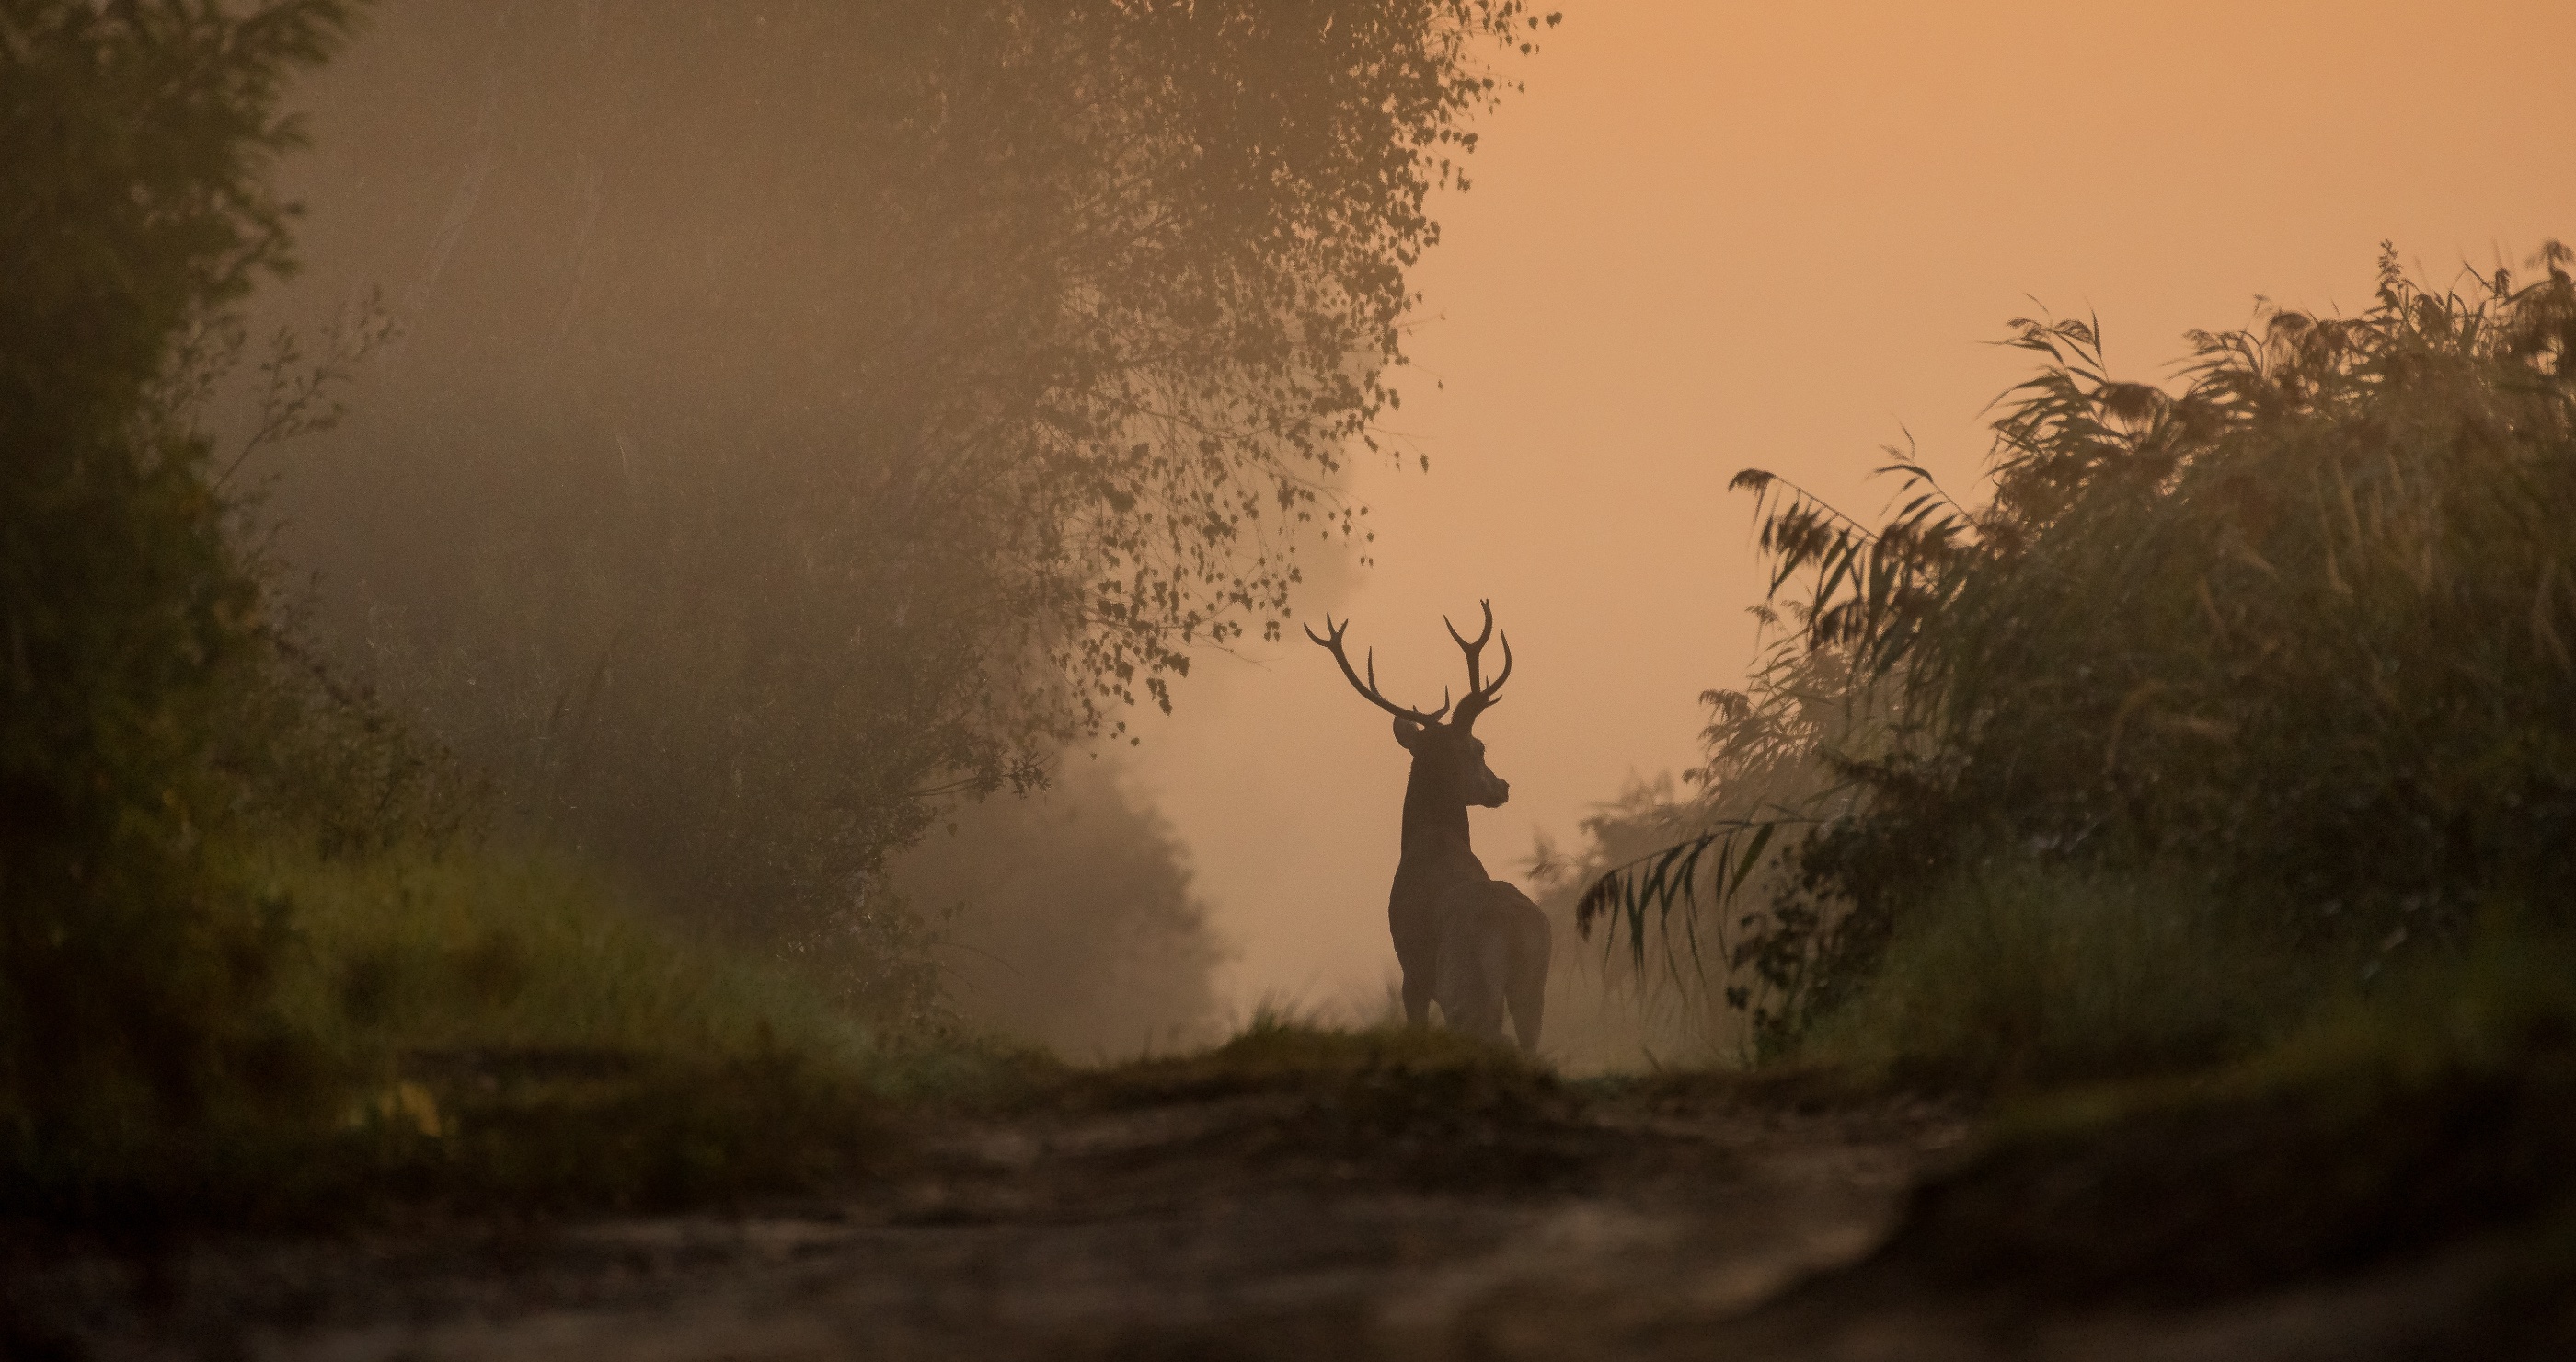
(1435,832)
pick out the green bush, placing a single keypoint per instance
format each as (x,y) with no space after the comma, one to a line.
(2302,628)
(2306,624)
(2503,1000)
(248,963)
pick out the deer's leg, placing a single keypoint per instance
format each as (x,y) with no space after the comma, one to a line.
(1417,953)
(1532,944)
(1493,977)
(1474,971)
(1417,998)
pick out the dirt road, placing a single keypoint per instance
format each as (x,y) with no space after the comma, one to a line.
(1673,1222)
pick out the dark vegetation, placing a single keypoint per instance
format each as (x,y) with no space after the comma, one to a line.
(135,969)
(536,857)
(2205,792)
(2284,649)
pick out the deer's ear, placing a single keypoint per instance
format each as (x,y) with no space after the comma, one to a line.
(1407,732)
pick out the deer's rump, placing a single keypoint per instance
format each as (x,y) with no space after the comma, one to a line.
(1494,947)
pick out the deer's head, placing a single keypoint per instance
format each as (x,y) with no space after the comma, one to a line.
(1446,751)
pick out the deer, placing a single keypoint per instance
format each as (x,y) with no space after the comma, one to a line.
(1472,943)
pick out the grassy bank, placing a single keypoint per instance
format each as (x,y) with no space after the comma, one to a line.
(2183,1108)
(2022,977)
(2439,1118)
(484,1031)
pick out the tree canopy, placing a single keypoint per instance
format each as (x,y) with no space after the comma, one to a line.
(807,409)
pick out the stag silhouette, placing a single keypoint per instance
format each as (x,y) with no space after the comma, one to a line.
(1465,940)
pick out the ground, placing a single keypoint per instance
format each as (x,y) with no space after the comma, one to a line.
(1360,1214)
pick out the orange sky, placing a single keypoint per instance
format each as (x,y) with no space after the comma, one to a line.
(1718,235)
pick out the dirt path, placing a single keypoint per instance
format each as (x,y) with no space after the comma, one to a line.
(1274,1225)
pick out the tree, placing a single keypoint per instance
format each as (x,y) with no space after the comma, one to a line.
(137,139)
(814,410)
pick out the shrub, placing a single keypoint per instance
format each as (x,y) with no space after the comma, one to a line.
(2296,636)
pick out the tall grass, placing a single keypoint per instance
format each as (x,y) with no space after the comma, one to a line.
(474,951)
(2029,976)
(1668,879)
(491,1031)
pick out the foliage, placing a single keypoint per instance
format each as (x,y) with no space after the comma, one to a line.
(133,972)
(1611,1010)
(821,411)
(2295,633)
(499,1033)
(1782,763)
(307,754)
(187,1027)
(475,951)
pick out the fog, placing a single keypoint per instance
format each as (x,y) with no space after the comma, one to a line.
(1070,919)
(1706,237)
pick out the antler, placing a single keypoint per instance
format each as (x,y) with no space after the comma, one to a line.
(1368,688)
(1480,696)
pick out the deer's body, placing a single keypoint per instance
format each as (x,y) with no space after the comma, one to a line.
(1494,947)
(1473,944)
